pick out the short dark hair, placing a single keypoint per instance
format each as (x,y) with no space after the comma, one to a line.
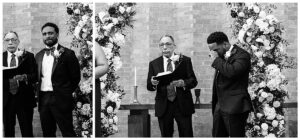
(11,32)
(169,36)
(217,37)
(51,25)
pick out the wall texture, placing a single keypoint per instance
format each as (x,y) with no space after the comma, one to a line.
(190,24)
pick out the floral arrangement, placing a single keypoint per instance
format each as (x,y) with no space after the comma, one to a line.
(261,34)
(110,26)
(81,27)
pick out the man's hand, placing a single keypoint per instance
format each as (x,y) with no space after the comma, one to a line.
(21,77)
(154,82)
(178,83)
(213,55)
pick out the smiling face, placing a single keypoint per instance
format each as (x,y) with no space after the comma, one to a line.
(50,36)
(220,49)
(11,42)
(167,46)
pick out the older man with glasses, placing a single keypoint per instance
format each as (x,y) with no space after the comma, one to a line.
(173,96)
(18,92)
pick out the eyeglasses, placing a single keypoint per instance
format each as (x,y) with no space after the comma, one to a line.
(13,40)
(165,44)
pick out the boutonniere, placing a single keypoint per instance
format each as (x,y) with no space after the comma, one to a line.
(20,53)
(229,53)
(57,53)
(176,58)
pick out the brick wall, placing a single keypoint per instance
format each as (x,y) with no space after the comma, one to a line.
(190,24)
(27,19)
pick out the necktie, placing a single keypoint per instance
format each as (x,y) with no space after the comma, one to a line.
(49,50)
(170,88)
(13,61)
(169,65)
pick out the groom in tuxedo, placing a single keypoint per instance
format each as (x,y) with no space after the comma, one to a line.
(173,99)
(231,101)
(18,101)
(58,76)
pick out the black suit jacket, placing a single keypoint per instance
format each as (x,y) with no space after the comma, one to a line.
(230,87)
(65,77)
(183,96)
(25,95)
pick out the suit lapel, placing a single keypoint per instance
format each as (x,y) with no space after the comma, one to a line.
(40,62)
(161,64)
(5,59)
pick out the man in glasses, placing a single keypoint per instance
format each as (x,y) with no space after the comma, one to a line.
(173,98)
(18,91)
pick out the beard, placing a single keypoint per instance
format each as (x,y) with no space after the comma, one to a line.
(50,42)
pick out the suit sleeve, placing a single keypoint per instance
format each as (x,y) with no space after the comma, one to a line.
(191,80)
(150,87)
(74,70)
(240,65)
(32,72)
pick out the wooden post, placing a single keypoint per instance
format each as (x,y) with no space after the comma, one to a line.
(139,123)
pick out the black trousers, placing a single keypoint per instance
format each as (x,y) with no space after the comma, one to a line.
(50,115)
(229,125)
(166,122)
(24,115)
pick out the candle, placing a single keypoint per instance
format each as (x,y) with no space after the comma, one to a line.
(134,76)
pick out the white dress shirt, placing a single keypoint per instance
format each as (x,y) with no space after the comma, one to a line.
(9,59)
(166,63)
(47,65)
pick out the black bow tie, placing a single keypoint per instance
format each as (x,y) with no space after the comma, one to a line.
(49,50)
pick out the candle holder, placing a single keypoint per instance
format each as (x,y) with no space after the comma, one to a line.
(135,100)
(197,94)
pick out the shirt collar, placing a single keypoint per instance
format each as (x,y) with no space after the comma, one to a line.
(9,53)
(231,47)
(166,59)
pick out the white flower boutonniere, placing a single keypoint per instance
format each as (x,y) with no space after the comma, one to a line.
(175,57)
(20,53)
(57,53)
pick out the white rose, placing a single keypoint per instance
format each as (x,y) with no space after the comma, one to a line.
(102,15)
(77,31)
(262,84)
(91,6)
(241,36)
(259,115)
(249,34)
(115,21)
(256,9)
(110,121)
(85,18)
(256,127)
(109,109)
(79,104)
(282,122)
(261,99)
(249,21)
(264,132)
(128,9)
(272,29)
(258,54)
(108,27)
(102,115)
(262,14)
(264,126)
(261,63)
(56,53)
(248,39)
(77,11)
(264,94)
(276,104)
(270,97)
(116,119)
(274,123)
(279,117)
(115,128)
(241,14)
(121,9)
(259,40)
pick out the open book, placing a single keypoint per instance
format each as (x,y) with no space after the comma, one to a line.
(167,77)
